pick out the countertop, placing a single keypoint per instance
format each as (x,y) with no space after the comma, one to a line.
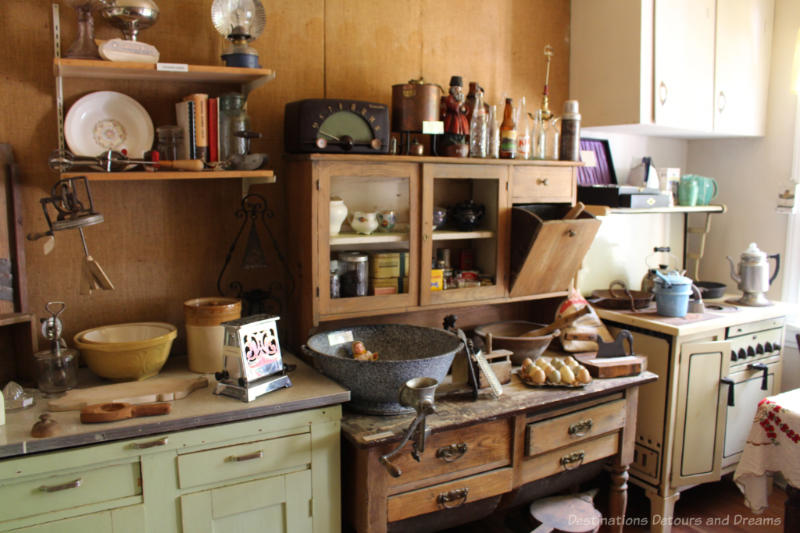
(453,412)
(692,323)
(200,408)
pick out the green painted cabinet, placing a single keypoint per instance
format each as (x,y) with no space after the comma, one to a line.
(272,474)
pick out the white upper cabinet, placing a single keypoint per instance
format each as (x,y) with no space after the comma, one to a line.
(678,68)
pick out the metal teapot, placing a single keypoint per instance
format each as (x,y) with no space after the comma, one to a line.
(753,275)
(672,264)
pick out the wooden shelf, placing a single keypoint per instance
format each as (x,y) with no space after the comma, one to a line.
(462,235)
(375,238)
(268,176)
(603,210)
(113,70)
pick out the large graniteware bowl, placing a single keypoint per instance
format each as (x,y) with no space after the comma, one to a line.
(404,352)
(507,336)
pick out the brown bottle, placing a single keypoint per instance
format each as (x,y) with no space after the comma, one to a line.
(469,103)
(508,133)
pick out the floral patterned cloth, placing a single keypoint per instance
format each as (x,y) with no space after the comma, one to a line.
(773,445)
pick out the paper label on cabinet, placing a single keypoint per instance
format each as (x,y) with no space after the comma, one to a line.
(340,337)
(172,67)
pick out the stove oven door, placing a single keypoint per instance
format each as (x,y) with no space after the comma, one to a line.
(748,391)
(700,413)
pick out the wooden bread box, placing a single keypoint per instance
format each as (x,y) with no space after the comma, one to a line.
(546,249)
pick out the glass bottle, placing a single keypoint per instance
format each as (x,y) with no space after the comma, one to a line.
(508,132)
(523,134)
(232,118)
(469,103)
(539,136)
(478,138)
(553,134)
(494,133)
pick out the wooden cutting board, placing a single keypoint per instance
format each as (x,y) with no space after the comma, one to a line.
(612,367)
(147,391)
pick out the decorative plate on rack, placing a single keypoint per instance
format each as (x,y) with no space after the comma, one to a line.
(108,120)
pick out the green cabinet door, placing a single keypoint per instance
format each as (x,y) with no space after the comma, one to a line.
(281,504)
(123,520)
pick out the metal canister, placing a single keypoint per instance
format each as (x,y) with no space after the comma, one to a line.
(413,103)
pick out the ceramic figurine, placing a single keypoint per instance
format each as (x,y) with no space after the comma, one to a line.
(386,220)
(337,212)
(456,125)
(363,222)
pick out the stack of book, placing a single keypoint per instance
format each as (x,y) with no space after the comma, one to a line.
(198,116)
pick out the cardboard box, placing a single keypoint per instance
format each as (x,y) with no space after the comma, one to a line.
(388,264)
(379,286)
(437,279)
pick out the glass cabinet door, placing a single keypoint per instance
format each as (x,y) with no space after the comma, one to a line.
(465,231)
(371,263)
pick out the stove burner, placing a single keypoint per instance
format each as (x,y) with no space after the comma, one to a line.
(722,308)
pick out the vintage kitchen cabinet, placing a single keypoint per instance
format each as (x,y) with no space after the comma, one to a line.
(693,422)
(412,187)
(480,455)
(679,67)
(267,473)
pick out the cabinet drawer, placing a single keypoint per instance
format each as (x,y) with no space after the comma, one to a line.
(569,457)
(449,495)
(561,431)
(476,448)
(530,185)
(243,460)
(43,494)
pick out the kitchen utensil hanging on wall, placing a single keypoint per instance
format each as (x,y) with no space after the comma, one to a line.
(70,206)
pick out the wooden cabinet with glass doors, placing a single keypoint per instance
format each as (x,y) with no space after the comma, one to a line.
(410,187)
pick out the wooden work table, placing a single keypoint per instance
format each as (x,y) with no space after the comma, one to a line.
(488,448)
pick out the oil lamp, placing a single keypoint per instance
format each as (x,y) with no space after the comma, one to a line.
(239,21)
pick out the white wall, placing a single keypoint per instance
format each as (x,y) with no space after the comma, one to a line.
(752,172)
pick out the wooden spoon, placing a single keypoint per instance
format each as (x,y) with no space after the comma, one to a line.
(113,411)
(558,324)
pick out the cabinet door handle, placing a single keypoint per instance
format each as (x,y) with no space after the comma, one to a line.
(74,484)
(729,382)
(721,101)
(454,498)
(451,453)
(152,444)
(579,429)
(543,181)
(575,459)
(662,93)
(247,457)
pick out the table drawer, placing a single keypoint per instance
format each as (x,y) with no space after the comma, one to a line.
(478,448)
(569,457)
(449,495)
(243,460)
(36,495)
(585,424)
(542,184)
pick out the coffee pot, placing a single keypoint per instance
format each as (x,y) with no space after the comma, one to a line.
(753,275)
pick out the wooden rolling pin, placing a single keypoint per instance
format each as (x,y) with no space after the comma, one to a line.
(180,164)
(113,411)
(558,324)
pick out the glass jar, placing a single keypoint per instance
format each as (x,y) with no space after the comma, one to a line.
(354,281)
(56,372)
(335,281)
(169,138)
(232,118)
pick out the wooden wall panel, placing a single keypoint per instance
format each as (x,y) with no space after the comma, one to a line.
(164,242)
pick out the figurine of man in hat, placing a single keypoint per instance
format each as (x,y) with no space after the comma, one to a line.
(456,125)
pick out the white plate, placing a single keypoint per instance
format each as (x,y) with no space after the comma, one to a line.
(108,120)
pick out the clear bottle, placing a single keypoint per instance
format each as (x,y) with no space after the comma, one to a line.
(553,134)
(478,137)
(232,118)
(508,132)
(523,133)
(494,134)
(540,126)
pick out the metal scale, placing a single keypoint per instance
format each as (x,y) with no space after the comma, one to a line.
(253,365)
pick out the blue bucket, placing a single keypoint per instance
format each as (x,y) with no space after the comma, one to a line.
(672,300)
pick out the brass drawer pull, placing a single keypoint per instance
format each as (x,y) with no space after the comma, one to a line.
(543,181)
(74,484)
(574,457)
(451,453)
(459,496)
(579,429)
(249,457)
(152,444)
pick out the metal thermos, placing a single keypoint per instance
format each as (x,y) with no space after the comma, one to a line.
(570,149)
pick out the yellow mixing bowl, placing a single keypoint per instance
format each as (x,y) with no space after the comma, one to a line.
(122,352)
